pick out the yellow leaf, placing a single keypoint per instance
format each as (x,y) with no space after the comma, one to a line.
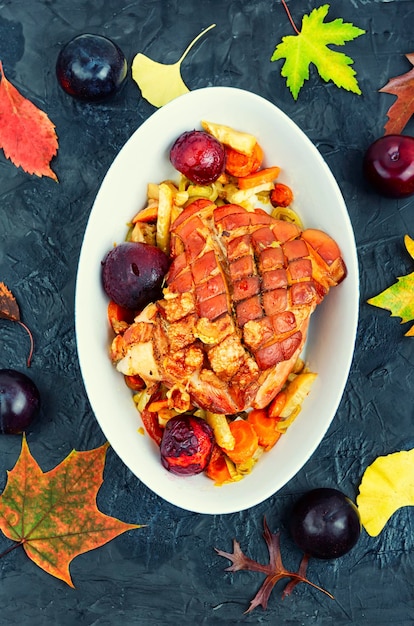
(399,298)
(409,244)
(387,485)
(159,82)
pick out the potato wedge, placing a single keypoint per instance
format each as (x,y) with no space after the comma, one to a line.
(296,392)
(237,196)
(221,429)
(165,205)
(152,191)
(242,142)
(144,233)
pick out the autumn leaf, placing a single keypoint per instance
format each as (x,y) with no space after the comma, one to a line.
(403,108)
(160,83)
(386,486)
(274,571)
(310,45)
(27,136)
(9,310)
(399,298)
(53,515)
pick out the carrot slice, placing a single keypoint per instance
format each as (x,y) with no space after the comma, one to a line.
(277,405)
(217,469)
(265,427)
(147,215)
(238,164)
(157,405)
(267,175)
(119,317)
(246,441)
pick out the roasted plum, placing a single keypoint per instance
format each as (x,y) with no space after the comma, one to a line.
(186,445)
(19,401)
(132,274)
(325,523)
(199,156)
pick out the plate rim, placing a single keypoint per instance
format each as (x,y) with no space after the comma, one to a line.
(165,111)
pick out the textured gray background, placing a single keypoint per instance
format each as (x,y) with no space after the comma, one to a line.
(168,574)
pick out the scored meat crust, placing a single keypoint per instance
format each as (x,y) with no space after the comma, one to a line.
(234,317)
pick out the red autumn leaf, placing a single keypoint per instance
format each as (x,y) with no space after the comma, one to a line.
(403,108)
(274,571)
(9,310)
(53,515)
(27,136)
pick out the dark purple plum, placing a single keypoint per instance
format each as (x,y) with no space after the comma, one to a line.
(389,165)
(325,523)
(19,401)
(199,156)
(133,273)
(91,67)
(186,445)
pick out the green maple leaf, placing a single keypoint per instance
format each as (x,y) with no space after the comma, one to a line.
(399,299)
(310,46)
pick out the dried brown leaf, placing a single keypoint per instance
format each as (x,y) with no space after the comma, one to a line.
(9,310)
(274,571)
(403,108)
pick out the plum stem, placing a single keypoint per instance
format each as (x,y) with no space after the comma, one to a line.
(297,31)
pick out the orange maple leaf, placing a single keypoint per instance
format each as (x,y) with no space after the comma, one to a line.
(53,515)
(403,108)
(27,135)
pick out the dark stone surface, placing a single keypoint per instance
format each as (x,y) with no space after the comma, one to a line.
(168,574)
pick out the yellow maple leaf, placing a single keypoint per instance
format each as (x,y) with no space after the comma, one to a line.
(161,82)
(399,298)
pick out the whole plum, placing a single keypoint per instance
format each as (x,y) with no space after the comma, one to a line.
(325,523)
(186,445)
(19,401)
(133,273)
(91,67)
(389,165)
(199,156)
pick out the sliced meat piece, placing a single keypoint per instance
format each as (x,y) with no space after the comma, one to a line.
(234,318)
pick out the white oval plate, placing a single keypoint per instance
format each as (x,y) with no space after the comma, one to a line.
(143,159)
